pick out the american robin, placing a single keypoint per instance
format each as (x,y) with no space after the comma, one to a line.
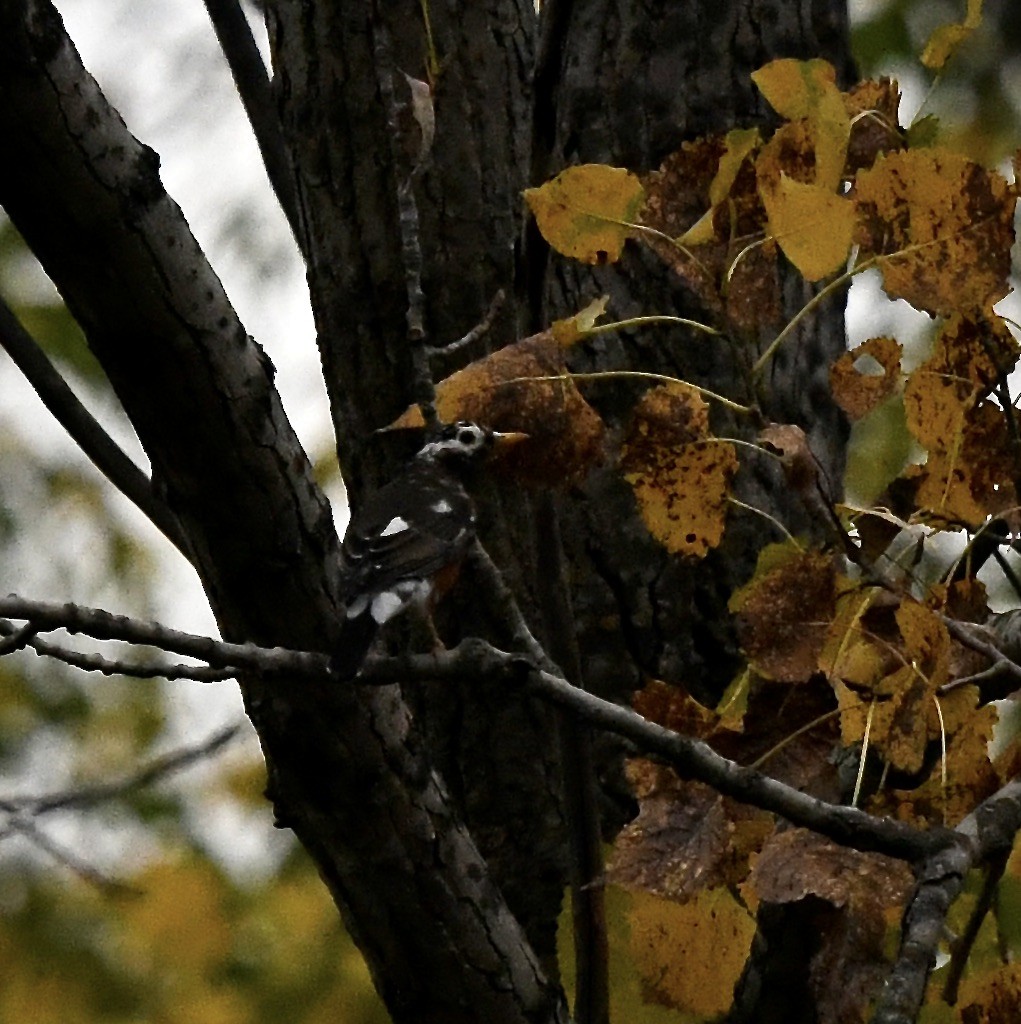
(406,543)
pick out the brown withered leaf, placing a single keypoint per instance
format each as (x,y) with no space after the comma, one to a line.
(866,375)
(686,837)
(872,107)
(970,478)
(680,475)
(863,895)
(738,282)
(795,863)
(783,616)
(968,472)
(801,469)
(670,705)
(564,432)
(976,350)
(944,225)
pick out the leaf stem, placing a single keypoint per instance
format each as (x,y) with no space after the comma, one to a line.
(640,321)
(809,307)
(638,375)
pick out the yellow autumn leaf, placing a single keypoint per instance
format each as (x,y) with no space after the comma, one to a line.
(945,40)
(680,475)
(942,226)
(739,143)
(812,224)
(807,90)
(586,212)
(702,232)
(690,955)
(793,88)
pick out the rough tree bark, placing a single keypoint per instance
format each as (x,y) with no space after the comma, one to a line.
(441,833)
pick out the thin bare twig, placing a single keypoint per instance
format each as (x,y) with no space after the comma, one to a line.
(156,770)
(69,859)
(480,330)
(423,387)
(249,73)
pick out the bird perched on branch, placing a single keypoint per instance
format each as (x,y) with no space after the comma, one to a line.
(406,543)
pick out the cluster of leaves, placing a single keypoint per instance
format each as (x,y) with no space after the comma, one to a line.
(847,650)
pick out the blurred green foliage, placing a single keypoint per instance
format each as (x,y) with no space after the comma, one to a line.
(977,96)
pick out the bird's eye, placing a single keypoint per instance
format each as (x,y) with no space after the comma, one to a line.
(466,436)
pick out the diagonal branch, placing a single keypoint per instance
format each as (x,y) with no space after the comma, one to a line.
(988,832)
(255,89)
(108,457)
(157,769)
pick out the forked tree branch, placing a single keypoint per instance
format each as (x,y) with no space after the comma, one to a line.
(985,834)
(23,812)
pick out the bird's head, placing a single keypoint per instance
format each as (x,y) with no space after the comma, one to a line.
(463,443)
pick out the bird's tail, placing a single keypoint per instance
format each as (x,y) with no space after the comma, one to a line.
(356,636)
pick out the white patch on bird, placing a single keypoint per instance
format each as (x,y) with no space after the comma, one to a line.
(442,507)
(387,603)
(396,525)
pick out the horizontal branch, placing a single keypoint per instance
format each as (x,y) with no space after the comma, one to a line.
(690,758)
(45,616)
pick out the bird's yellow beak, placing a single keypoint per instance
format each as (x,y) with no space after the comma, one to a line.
(502,440)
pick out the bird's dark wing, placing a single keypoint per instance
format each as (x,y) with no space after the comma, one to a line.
(410,529)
